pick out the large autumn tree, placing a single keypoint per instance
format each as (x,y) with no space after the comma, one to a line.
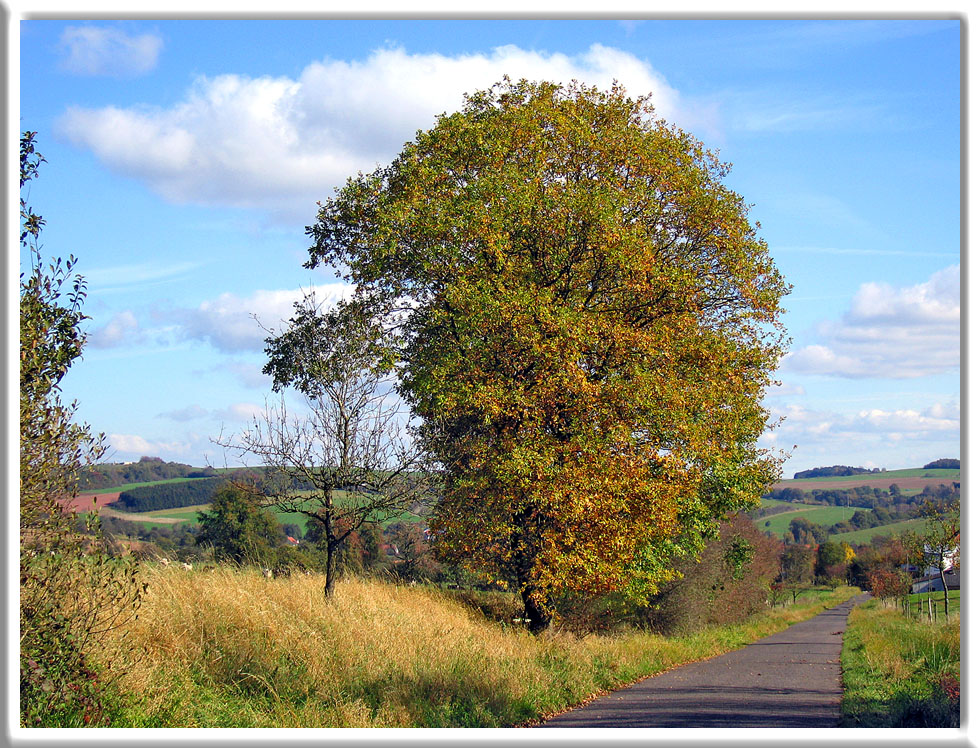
(584,320)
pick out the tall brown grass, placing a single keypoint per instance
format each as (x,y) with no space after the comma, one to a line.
(230,648)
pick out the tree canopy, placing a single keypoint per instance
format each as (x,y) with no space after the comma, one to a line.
(237,528)
(584,320)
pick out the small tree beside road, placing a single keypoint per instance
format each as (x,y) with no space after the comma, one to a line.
(939,545)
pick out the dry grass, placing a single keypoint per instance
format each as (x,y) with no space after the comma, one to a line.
(229,648)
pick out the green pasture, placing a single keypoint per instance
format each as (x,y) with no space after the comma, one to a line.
(129,486)
(857,537)
(766,503)
(937,597)
(818,515)
(298,518)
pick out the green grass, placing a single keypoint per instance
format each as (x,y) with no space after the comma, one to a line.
(766,503)
(895,528)
(937,599)
(128,486)
(899,672)
(819,515)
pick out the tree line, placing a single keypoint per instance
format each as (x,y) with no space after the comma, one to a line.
(867,497)
(168,495)
(834,471)
(146,470)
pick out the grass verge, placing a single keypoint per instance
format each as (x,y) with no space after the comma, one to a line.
(228,648)
(900,672)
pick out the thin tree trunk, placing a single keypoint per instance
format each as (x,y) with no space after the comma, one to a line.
(331,571)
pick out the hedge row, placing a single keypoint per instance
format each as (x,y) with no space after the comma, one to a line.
(168,495)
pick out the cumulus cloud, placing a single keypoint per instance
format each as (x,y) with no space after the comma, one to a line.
(280,144)
(233,323)
(122,329)
(801,423)
(98,50)
(871,438)
(135,444)
(895,333)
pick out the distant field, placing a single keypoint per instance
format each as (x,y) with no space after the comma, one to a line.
(128,486)
(897,528)
(946,473)
(775,502)
(818,515)
(908,480)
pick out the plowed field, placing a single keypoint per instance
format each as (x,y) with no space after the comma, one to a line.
(83,503)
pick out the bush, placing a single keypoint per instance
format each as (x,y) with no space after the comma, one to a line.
(729,582)
(71,592)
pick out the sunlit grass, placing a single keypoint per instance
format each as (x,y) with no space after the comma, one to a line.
(229,648)
(900,672)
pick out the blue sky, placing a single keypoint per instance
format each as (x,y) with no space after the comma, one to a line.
(185,158)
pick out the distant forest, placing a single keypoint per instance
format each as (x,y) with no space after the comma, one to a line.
(111,475)
(944,464)
(834,471)
(167,495)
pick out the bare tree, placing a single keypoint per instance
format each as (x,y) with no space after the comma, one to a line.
(351,459)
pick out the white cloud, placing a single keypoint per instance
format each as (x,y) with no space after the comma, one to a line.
(801,423)
(894,333)
(122,329)
(135,444)
(98,50)
(234,323)
(874,437)
(281,144)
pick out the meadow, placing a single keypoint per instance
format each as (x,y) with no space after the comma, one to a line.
(819,515)
(898,671)
(229,648)
(857,537)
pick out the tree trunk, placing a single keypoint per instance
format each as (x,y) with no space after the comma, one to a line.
(537,614)
(331,570)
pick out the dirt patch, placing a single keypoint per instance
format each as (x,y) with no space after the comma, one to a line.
(83,502)
(883,483)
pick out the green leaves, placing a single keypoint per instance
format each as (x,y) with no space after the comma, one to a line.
(586,322)
(71,591)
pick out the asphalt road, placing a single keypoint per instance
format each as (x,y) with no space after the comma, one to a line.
(789,679)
